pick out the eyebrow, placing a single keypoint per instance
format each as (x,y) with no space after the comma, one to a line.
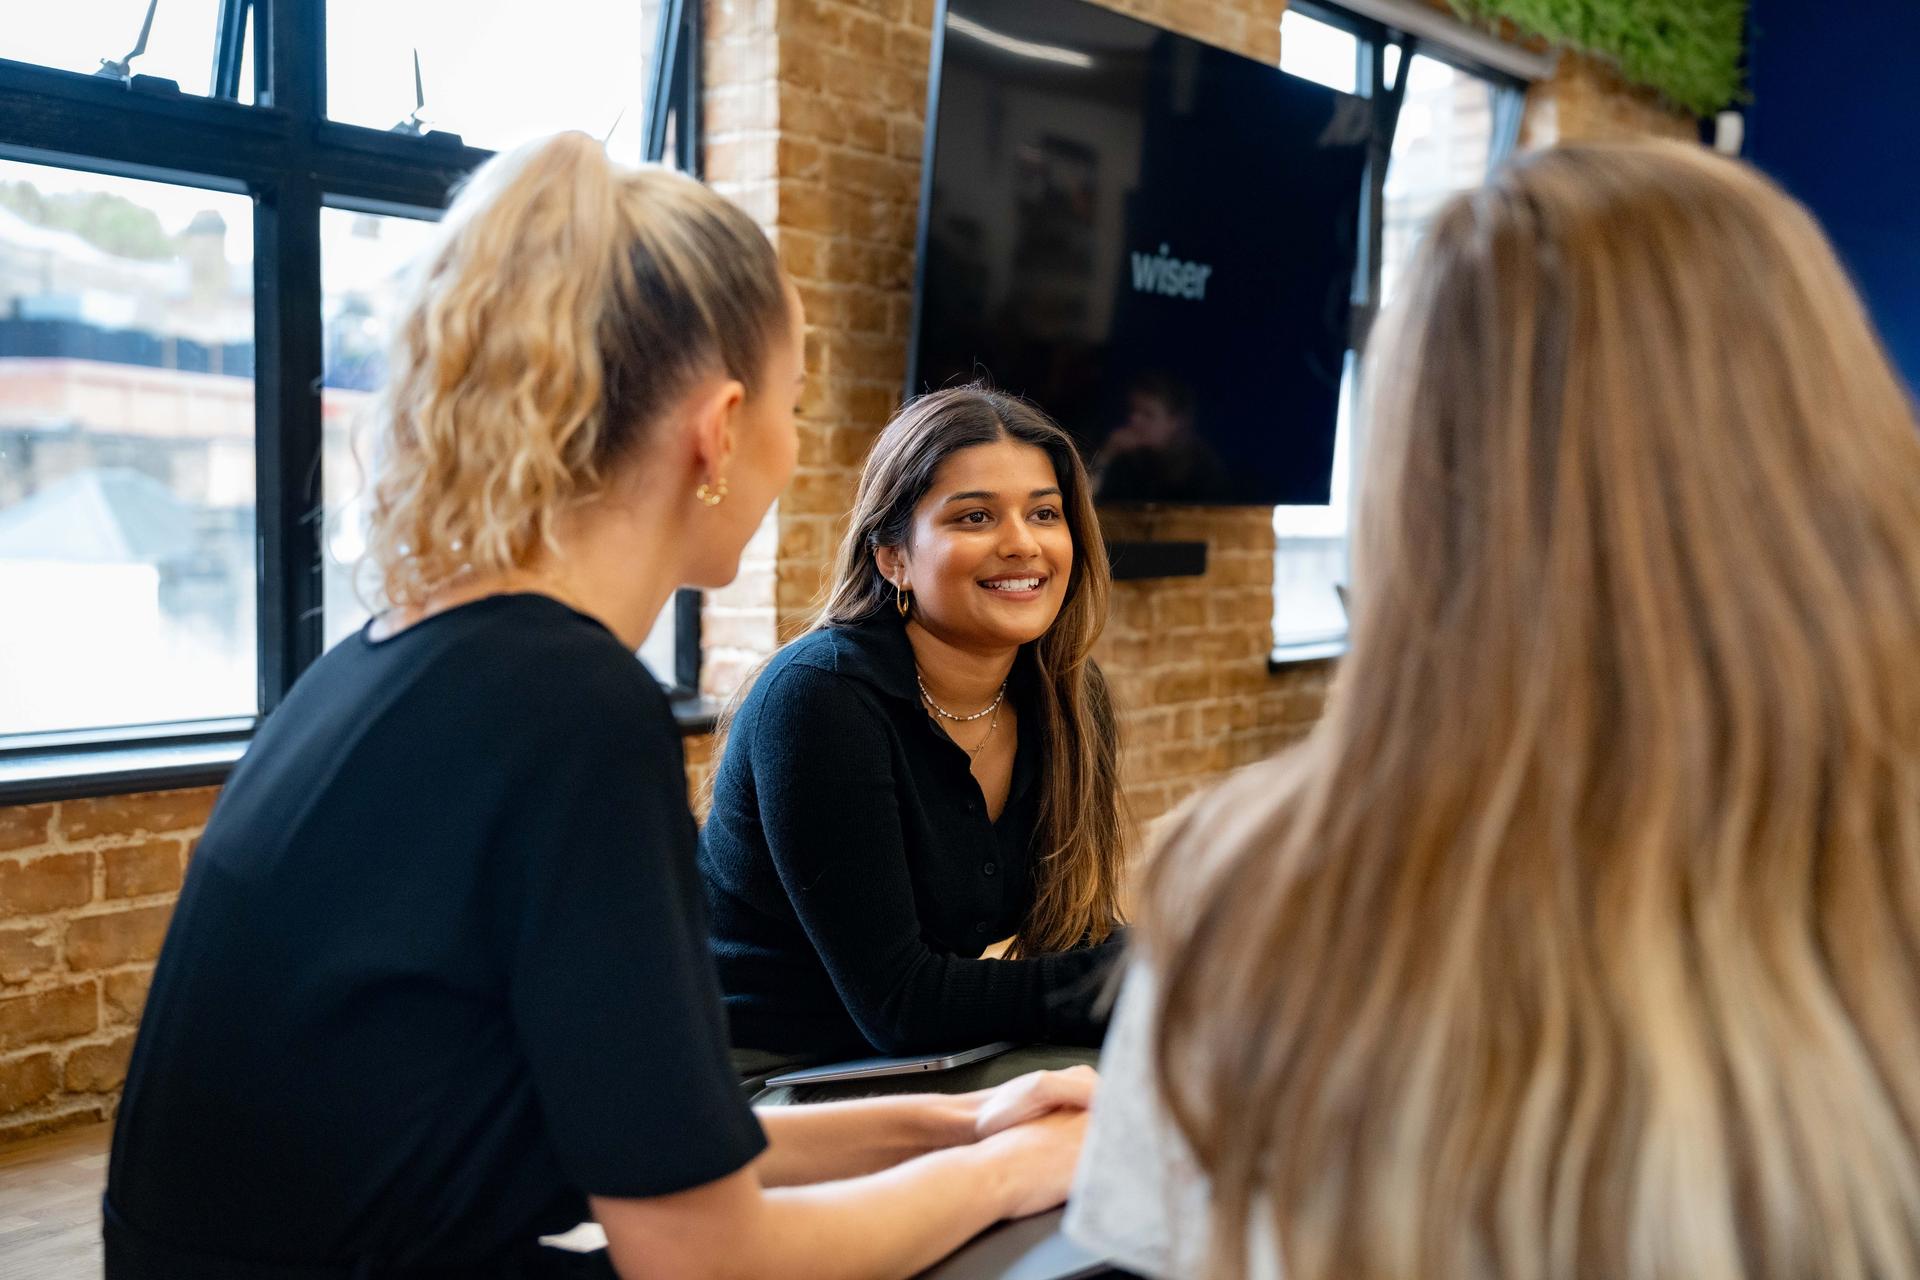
(987,495)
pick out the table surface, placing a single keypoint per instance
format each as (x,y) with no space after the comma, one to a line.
(1029,1249)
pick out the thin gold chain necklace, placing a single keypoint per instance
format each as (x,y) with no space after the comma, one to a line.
(945,714)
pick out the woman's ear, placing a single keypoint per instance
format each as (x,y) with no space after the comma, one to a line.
(892,563)
(716,408)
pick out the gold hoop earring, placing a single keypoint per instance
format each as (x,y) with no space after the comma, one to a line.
(712,495)
(902,600)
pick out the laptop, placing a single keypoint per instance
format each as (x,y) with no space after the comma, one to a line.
(879,1068)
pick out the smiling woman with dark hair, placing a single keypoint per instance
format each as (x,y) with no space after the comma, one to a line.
(932,768)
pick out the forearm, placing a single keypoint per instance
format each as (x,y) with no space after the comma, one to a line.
(831,1140)
(882,1226)
(893,1223)
(942,1001)
(879,1226)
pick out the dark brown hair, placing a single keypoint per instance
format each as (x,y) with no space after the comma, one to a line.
(1083,834)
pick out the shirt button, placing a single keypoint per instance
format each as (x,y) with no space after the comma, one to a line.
(980,927)
(989,868)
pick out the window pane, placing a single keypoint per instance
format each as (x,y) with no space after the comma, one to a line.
(1318,51)
(126,452)
(1310,546)
(1441,145)
(79,35)
(496,72)
(658,650)
(362,257)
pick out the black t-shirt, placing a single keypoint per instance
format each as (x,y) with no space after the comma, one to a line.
(438,970)
(853,877)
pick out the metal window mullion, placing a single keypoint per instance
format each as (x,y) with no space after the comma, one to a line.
(660,80)
(290,37)
(287,373)
(229,47)
(673,92)
(687,90)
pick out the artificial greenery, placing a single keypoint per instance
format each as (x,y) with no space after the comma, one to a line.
(1687,49)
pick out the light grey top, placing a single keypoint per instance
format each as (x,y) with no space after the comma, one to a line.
(1138,1196)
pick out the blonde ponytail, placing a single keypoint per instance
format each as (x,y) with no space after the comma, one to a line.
(565,304)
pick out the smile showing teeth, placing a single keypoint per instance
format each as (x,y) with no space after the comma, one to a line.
(1013,584)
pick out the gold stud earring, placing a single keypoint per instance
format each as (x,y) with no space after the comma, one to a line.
(902,600)
(712,495)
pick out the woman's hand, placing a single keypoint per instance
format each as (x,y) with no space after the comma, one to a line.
(1031,1096)
(1034,1161)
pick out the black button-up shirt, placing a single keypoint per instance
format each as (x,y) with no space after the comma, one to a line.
(853,876)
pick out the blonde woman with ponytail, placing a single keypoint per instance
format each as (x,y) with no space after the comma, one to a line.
(1582,937)
(437,984)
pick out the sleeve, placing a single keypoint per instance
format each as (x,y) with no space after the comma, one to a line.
(1138,1198)
(830,813)
(612,992)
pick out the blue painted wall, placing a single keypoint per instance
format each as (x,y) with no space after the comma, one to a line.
(1835,118)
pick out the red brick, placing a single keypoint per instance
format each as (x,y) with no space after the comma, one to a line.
(143,811)
(116,938)
(909,46)
(26,1080)
(1188,685)
(818,493)
(98,1068)
(1179,610)
(41,1126)
(150,867)
(866,36)
(25,952)
(867,131)
(798,158)
(125,992)
(24,826)
(35,885)
(803,256)
(60,1014)
(813,117)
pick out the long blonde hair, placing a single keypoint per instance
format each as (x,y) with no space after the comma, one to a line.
(565,304)
(1083,828)
(1582,937)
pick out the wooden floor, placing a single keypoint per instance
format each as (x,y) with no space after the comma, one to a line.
(50,1205)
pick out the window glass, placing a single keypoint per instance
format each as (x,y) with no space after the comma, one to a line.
(496,72)
(126,452)
(1318,51)
(1310,546)
(362,259)
(81,35)
(1442,144)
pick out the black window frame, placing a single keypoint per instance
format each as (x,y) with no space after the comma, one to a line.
(1372,38)
(283,152)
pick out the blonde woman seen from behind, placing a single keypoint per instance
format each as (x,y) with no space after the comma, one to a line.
(437,985)
(1582,937)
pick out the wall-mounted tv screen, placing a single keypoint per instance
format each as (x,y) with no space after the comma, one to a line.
(1152,238)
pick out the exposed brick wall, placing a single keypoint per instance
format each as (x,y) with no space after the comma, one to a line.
(86,889)
(814,113)
(838,142)
(1587,101)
